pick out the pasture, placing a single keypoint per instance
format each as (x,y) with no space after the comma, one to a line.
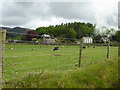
(23,62)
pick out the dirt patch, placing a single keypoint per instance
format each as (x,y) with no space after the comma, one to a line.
(57,55)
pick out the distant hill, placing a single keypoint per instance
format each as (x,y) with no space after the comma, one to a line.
(16,30)
(7,28)
(15,33)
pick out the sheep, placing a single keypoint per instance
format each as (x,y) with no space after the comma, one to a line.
(93,46)
(83,47)
(56,48)
(11,48)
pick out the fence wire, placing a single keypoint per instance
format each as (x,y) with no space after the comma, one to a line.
(22,59)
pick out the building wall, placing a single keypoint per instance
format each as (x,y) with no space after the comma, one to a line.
(49,41)
(87,40)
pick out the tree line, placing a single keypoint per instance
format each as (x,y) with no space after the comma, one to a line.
(73,30)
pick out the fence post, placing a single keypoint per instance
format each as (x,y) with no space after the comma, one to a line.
(0,59)
(2,46)
(108,49)
(80,52)
(118,50)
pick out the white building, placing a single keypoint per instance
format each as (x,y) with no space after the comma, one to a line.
(105,39)
(87,40)
(48,40)
(45,36)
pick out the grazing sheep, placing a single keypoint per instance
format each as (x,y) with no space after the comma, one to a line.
(11,48)
(56,48)
(93,46)
(83,47)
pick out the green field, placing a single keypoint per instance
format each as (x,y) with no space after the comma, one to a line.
(24,67)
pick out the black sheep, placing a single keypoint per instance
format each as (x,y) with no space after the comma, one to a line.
(93,46)
(56,48)
(84,47)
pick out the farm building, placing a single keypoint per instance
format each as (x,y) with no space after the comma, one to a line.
(87,40)
(48,40)
(45,36)
(105,39)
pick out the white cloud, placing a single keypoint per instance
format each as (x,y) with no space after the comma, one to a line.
(106,13)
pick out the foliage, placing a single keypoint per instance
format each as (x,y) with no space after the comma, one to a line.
(13,36)
(68,30)
(116,37)
(34,40)
(31,34)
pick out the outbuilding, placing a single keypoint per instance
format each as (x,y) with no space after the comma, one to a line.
(87,40)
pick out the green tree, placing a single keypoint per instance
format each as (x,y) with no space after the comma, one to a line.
(71,33)
(34,40)
(117,36)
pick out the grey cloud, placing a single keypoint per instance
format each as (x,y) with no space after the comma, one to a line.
(14,21)
(119,14)
(16,13)
(21,13)
(70,10)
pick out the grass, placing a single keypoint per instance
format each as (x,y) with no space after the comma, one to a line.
(43,68)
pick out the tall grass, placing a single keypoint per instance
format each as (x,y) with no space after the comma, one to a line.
(97,75)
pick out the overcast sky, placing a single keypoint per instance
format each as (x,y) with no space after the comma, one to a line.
(36,14)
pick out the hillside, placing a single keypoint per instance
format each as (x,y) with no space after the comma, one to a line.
(16,29)
(16,32)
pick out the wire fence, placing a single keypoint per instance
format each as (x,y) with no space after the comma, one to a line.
(40,56)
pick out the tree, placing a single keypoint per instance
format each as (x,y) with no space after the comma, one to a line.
(68,30)
(31,34)
(117,36)
(34,40)
(71,33)
(42,30)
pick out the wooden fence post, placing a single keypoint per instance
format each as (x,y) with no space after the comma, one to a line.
(0,60)
(108,49)
(80,52)
(118,50)
(2,46)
